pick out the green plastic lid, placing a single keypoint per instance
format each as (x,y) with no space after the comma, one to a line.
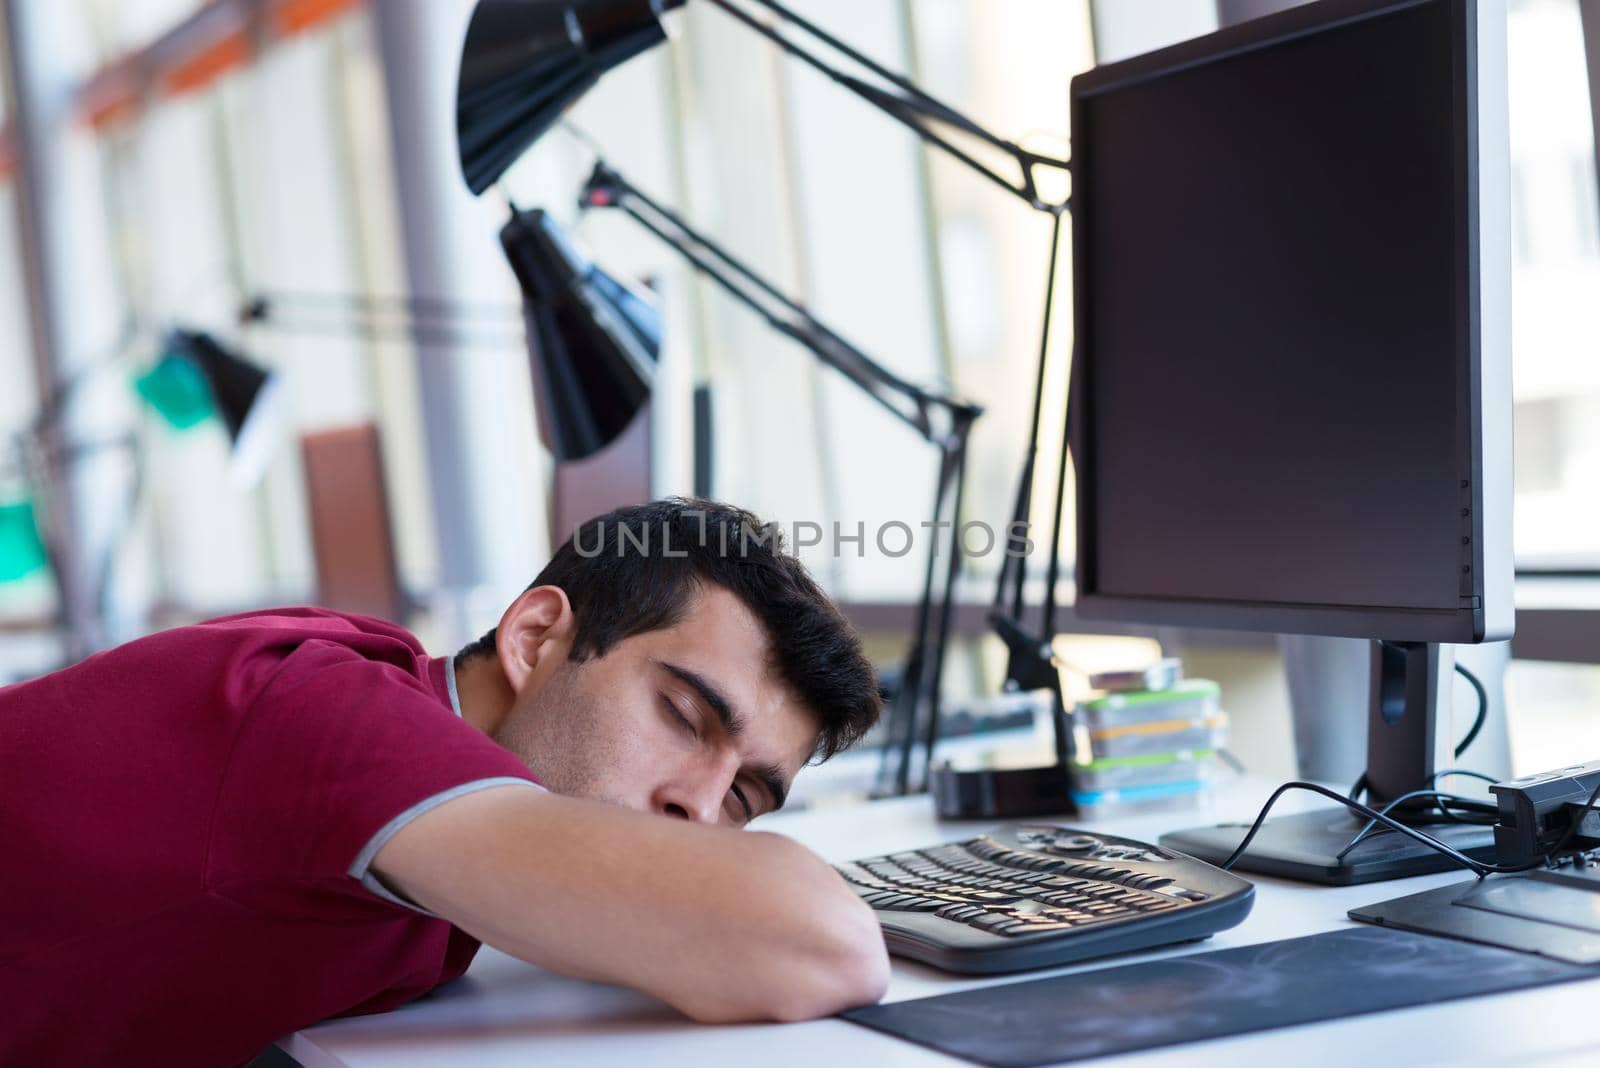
(1183,690)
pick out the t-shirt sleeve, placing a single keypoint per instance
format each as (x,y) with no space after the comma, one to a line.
(335,754)
(361,868)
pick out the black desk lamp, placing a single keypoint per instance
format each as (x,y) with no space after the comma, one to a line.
(593,341)
(241,393)
(525,61)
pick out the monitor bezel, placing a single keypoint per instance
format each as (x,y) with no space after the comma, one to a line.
(1483,439)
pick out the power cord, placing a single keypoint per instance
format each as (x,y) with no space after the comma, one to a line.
(1444,811)
(1483,710)
(1478,868)
(1360,786)
(1447,772)
(1484,813)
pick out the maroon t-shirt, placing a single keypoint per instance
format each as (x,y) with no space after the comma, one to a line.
(179,820)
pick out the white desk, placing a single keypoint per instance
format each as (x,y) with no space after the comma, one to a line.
(505,1012)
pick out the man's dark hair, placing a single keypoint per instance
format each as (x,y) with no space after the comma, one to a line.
(636,569)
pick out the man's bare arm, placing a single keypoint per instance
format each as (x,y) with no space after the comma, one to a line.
(725,925)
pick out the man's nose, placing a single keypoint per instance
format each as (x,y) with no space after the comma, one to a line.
(688,805)
(695,797)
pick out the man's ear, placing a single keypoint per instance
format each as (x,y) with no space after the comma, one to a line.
(535,631)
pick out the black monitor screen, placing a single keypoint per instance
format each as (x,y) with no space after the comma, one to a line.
(1270,256)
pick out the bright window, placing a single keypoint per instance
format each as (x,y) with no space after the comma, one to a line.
(1555,279)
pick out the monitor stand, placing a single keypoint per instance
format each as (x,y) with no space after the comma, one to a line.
(1411,683)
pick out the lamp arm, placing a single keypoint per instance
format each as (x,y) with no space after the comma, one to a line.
(911,107)
(933,415)
(1013,572)
(263,302)
(376,317)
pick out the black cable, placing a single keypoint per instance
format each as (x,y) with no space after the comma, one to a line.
(1442,800)
(1359,788)
(1433,780)
(1476,867)
(1447,772)
(1355,806)
(1483,701)
(1478,806)
(1483,709)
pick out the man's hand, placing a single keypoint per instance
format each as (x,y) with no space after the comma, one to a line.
(724,925)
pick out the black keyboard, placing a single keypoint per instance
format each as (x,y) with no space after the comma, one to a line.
(1034,896)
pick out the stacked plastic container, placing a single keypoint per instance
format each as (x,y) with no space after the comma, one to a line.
(1146,739)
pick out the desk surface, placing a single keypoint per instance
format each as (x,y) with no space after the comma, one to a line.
(505,1012)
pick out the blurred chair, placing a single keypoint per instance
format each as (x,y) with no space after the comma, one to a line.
(351,534)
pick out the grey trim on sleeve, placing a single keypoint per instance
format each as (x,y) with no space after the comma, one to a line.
(361,868)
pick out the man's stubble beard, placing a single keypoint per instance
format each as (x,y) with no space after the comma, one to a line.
(559,734)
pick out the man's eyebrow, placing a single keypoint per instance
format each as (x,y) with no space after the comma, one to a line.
(732,722)
(771,775)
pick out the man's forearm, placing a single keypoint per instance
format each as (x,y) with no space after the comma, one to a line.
(724,925)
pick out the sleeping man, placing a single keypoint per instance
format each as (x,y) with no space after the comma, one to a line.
(234,830)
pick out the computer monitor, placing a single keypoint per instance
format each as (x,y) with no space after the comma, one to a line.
(1291,381)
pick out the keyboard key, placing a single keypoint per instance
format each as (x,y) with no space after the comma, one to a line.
(913,904)
(1063,882)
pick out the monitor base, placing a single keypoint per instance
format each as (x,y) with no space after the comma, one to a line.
(1304,847)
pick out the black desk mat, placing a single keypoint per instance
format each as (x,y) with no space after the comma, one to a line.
(1157,1003)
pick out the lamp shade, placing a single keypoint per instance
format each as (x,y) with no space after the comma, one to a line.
(594,341)
(176,389)
(22,551)
(242,393)
(526,61)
